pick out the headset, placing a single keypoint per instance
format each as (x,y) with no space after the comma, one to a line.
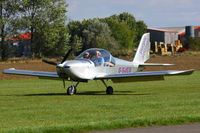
(98,53)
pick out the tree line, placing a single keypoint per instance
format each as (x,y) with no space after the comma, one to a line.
(51,36)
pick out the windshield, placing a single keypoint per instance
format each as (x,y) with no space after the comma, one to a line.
(99,57)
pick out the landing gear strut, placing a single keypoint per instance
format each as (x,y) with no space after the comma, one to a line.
(109,89)
(72,89)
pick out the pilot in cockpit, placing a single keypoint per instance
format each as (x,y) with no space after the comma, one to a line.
(99,61)
(86,55)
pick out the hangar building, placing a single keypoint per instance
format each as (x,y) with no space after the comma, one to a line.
(169,35)
(190,31)
(162,35)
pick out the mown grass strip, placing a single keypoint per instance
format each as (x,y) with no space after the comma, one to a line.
(41,106)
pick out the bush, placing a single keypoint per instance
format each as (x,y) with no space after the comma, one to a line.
(192,44)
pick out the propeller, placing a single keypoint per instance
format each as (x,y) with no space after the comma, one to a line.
(49,62)
(66,56)
(54,63)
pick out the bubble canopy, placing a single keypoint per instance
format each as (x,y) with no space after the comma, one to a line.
(91,54)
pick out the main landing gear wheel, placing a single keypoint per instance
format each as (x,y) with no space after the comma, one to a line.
(71,90)
(109,90)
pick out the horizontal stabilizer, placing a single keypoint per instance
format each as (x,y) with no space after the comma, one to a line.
(155,64)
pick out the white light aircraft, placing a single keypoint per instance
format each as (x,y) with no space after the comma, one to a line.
(99,64)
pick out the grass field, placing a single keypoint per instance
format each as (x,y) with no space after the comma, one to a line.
(41,106)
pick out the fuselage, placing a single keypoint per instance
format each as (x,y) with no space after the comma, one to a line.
(84,69)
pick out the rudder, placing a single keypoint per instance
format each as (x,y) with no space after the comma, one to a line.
(142,53)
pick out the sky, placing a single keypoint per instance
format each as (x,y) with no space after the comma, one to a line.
(155,13)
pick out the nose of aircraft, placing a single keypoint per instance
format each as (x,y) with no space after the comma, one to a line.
(60,65)
(63,65)
(76,69)
(73,65)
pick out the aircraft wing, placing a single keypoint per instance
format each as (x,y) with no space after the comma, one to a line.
(40,74)
(143,76)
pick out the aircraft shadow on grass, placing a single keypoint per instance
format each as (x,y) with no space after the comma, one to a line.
(87,93)
(84,93)
(115,93)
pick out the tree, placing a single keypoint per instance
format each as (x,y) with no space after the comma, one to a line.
(98,35)
(123,29)
(141,28)
(75,29)
(45,19)
(192,44)
(76,45)
(129,19)
(8,11)
(51,40)
(76,34)
(123,35)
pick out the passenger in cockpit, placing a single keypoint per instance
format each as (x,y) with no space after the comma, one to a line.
(99,61)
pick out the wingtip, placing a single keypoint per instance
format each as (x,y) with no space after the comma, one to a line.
(5,70)
(191,70)
(169,64)
(188,72)
(11,69)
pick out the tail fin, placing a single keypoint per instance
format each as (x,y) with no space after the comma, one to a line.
(142,53)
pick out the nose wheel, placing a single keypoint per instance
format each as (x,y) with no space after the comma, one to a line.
(71,90)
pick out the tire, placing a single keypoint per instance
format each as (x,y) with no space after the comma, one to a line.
(109,90)
(71,90)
